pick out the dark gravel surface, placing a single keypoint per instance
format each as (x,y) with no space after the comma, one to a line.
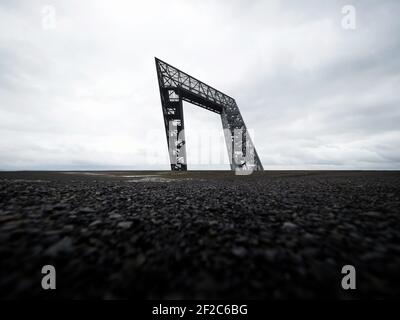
(200,234)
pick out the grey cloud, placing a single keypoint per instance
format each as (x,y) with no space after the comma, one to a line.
(84,95)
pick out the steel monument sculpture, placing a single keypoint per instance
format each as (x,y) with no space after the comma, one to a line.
(177,86)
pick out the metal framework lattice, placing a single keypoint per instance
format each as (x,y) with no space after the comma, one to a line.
(177,86)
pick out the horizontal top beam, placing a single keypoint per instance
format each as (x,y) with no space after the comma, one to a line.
(173,78)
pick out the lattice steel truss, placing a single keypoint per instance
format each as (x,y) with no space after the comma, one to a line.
(177,86)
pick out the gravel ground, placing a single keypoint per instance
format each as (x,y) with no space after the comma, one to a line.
(200,234)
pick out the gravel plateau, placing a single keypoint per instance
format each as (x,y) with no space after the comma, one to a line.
(194,235)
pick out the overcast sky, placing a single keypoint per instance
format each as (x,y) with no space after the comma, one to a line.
(78,86)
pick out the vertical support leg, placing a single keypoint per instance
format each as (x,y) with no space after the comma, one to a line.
(174,128)
(228,139)
(242,154)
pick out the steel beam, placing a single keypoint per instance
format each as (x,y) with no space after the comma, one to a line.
(177,86)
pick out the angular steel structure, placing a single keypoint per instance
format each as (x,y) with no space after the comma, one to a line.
(177,86)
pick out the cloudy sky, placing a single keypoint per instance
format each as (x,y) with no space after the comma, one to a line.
(78,87)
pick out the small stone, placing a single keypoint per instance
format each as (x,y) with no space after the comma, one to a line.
(140,259)
(61,206)
(372,256)
(64,245)
(239,251)
(51,233)
(68,227)
(289,226)
(7,218)
(47,208)
(11,225)
(308,236)
(270,254)
(86,210)
(107,233)
(373,214)
(124,224)
(95,223)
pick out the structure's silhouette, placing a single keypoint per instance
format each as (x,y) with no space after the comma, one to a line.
(176,86)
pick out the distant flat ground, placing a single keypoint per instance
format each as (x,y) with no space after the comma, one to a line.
(200,234)
(193,175)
